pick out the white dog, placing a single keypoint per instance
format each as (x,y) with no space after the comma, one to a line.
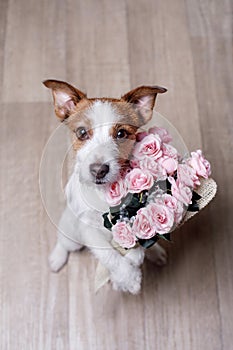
(103,131)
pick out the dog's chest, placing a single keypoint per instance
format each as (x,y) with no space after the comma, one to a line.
(87,203)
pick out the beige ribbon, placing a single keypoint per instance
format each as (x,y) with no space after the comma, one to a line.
(207,190)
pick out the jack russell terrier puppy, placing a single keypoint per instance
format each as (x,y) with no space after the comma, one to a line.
(103,132)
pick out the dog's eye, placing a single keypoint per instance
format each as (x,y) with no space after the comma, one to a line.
(82,133)
(122,134)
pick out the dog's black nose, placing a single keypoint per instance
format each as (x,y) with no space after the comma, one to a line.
(99,170)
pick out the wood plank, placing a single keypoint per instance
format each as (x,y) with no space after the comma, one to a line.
(99,65)
(34,309)
(167,56)
(34,49)
(3,16)
(97,59)
(106,48)
(212,53)
(160,54)
(107,319)
(210,19)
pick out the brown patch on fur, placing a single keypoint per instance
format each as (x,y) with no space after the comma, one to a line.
(72,91)
(73,112)
(78,119)
(125,149)
(130,120)
(142,99)
(79,114)
(128,114)
(136,94)
(64,110)
(130,129)
(77,144)
(125,145)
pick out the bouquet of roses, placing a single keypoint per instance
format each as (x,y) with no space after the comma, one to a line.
(151,197)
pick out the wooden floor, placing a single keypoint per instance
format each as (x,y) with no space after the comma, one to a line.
(106,48)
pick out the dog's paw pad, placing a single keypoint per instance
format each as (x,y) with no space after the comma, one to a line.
(58,258)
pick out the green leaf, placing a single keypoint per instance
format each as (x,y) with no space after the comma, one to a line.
(115,218)
(193,206)
(107,222)
(169,186)
(196,196)
(165,237)
(115,210)
(135,202)
(147,243)
(162,184)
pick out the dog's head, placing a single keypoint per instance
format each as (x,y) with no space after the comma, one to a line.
(103,129)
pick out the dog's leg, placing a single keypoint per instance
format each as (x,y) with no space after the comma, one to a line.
(157,255)
(136,256)
(66,241)
(58,257)
(60,253)
(124,275)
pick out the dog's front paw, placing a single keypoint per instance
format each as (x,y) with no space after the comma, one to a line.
(127,278)
(136,256)
(157,255)
(58,257)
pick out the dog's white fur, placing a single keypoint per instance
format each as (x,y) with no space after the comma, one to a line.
(101,148)
(76,228)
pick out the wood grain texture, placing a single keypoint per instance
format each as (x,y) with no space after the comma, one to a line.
(106,48)
(97,46)
(3,17)
(34,48)
(28,293)
(160,52)
(214,62)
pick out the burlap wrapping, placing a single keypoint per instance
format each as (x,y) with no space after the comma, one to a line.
(207,190)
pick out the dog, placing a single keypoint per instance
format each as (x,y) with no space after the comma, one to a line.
(103,134)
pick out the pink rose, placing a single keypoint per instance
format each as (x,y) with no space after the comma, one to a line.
(140,136)
(123,235)
(170,151)
(115,192)
(138,180)
(169,160)
(169,164)
(179,212)
(150,146)
(172,203)
(161,216)
(163,134)
(153,167)
(180,191)
(187,175)
(168,200)
(142,226)
(200,164)
(135,163)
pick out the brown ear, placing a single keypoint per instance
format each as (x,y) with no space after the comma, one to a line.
(65,97)
(143,99)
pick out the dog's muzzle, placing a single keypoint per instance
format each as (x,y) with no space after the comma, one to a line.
(99,171)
